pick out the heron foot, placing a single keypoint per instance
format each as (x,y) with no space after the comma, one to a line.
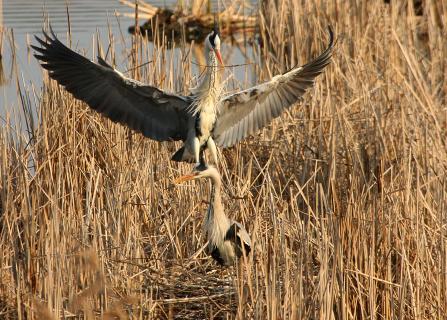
(200,166)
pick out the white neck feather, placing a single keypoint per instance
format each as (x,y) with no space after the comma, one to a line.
(216,222)
(210,87)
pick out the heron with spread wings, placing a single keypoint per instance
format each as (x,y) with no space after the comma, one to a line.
(201,120)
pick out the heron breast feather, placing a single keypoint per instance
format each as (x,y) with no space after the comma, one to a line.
(207,120)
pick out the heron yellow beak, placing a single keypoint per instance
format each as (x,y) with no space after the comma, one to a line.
(184,178)
(219,57)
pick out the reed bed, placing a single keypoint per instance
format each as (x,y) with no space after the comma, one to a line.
(345,196)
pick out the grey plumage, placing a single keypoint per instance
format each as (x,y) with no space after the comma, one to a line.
(227,239)
(240,237)
(146,109)
(164,116)
(245,112)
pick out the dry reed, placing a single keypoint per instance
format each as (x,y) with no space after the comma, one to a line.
(345,196)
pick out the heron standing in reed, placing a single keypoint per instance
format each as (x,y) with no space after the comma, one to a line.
(227,239)
(202,120)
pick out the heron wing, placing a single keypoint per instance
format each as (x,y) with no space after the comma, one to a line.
(239,236)
(245,112)
(146,109)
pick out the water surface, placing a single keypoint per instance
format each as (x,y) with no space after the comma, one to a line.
(22,19)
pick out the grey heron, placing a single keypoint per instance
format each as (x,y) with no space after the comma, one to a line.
(201,120)
(227,239)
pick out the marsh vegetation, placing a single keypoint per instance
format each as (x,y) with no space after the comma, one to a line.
(345,196)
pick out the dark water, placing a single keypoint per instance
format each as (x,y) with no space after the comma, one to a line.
(22,19)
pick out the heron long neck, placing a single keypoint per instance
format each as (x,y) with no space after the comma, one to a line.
(212,69)
(216,223)
(210,81)
(215,208)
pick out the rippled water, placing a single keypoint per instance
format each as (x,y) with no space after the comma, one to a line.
(24,18)
(21,19)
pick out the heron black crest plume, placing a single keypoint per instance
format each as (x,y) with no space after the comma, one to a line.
(215,30)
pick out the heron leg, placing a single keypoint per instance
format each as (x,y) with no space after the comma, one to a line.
(196,148)
(213,149)
(202,158)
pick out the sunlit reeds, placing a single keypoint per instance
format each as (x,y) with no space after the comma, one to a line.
(345,196)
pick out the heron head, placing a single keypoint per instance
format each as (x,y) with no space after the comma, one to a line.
(202,171)
(212,42)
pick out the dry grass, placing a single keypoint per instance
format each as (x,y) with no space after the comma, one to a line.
(345,196)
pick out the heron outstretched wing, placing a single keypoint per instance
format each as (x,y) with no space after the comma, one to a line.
(146,109)
(245,112)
